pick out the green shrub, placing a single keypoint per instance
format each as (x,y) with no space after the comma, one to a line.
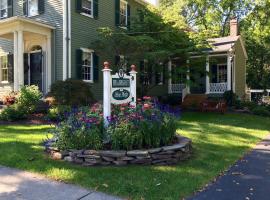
(261,110)
(230,98)
(25,104)
(57,112)
(13,113)
(28,98)
(72,92)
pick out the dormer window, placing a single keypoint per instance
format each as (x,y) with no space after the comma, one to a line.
(33,7)
(3,9)
(6,9)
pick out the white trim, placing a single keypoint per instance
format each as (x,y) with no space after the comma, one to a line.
(243,47)
(69,41)
(90,51)
(87,50)
(207,75)
(65,40)
(87,15)
(229,73)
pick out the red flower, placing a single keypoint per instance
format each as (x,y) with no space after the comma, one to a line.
(146,106)
(146,98)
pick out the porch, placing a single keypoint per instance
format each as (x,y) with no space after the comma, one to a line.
(211,76)
(30,58)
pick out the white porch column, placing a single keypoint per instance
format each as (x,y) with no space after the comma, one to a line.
(188,77)
(20,58)
(48,74)
(229,73)
(16,78)
(207,75)
(170,77)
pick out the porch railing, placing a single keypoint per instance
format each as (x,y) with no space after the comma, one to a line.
(218,87)
(177,88)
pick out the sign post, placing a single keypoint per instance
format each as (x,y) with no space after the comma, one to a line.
(133,86)
(106,93)
(118,89)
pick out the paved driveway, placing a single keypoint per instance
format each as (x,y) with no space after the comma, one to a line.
(248,179)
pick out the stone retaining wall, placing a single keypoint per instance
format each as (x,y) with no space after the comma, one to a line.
(167,155)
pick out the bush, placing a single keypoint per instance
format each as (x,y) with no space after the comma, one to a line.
(10,99)
(146,126)
(28,98)
(13,113)
(57,112)
(230,98)
(261,110)
(71,92)
(25,104)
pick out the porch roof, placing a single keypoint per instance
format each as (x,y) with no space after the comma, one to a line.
(16,23)
(223,44)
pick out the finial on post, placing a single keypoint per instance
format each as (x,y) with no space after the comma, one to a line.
(133,67)
(106,65)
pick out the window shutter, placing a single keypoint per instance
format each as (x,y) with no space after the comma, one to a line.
(117,12)
(79,6)
(117,61)
(41,6)
(25,7)
(150,73)
(96,66)
(79,54)
(164,75)
(10,8)
(214,73)
(142,72)
(128,16)
(10,68)
(95,6)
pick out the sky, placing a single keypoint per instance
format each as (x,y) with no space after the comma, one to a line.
(152,1)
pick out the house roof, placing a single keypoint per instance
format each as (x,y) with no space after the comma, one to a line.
(225,44)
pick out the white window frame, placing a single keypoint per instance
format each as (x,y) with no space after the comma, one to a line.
(1,69)
(28,9)
(90,51)
(91,9)
(218,71)
(126,16)
(5,8)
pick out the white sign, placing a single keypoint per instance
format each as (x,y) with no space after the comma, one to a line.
(121,88)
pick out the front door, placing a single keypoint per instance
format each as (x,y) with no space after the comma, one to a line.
(33,69)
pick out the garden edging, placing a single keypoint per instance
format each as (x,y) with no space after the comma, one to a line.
(167,155)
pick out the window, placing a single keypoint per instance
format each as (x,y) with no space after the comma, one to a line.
(87,65)
(3,9)
(33,7)
(123,21)
(4,68)
(87,7)
(222,73)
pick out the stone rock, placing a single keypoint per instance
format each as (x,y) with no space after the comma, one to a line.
(160,161)
(92,161)
(77,160)
(88,156)
(114,154)
(126,158)
(173,147)
(145,161)
(166,153)
(68,159)
(137,153)
(108,159)
(105,163)
(65,153)
(156,150)
(172,161)
(56,155)
(120,162)
(159,157)
(91,152)
(178,154)
(143,157)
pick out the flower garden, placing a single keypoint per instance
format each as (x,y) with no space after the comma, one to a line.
(149,129)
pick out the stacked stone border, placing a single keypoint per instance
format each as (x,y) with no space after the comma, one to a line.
(167,155)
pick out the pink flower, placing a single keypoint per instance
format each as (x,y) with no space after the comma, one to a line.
(147,98)
(146,106)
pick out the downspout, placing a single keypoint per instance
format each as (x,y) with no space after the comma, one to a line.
(66,38)
(69,39)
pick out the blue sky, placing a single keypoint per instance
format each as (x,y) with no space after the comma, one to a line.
(152,1)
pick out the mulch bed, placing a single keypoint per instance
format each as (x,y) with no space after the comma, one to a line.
(34,119)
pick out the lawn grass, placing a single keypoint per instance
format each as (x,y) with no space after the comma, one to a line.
(218,141)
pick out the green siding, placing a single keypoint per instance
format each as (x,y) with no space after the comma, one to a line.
(83,33)
(240,70)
